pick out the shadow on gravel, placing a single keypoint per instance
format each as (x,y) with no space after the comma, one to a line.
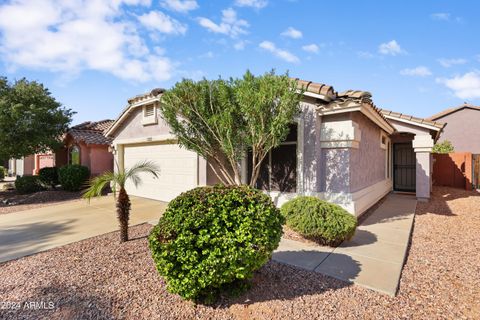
(23,240)
(440,198)
(59,302)
(278,281)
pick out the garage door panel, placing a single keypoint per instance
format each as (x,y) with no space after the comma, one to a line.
(178,170)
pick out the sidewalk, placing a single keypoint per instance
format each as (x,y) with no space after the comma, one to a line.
(373,258)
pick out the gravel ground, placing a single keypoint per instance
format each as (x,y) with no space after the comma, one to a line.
(19,202)
(101,279)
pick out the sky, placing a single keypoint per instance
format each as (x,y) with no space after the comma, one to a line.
(415,57)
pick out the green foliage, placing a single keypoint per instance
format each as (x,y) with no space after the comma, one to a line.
(212,239)
(28,184)
(2,173)
(443,147)
(324,222)
(222,119)
(73,177)
(31,120)
(49,176)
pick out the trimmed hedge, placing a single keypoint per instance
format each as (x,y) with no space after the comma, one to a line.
(319,220)
(211,239)
(49,176)
(28,184)
(73,177)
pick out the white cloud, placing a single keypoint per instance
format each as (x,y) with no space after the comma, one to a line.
(240,45)
(280,53)
(257,4)
(70,37)
(313,48)
(207,55)
(230,24)
(390,48)
(420,71)
(365,55)
(158,21)
(292,33)
(442,16)
(465,86)
(179,5)
(447,63)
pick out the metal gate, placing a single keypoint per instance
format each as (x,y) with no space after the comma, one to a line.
(476,171)
(404,167)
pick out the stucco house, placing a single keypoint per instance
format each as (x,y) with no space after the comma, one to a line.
(86,144)
(30,165)
(462,127)
(341,148)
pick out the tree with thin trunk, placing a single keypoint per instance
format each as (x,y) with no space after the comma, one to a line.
(118,180)
(226,121)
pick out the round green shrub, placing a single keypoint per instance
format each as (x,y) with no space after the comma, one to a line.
(319,220)
(211,239)
(28,184)
(73,177)
(49,176)
(2,173)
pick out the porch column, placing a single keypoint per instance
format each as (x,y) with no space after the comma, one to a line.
(423,144)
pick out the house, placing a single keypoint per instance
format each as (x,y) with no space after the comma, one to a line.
(86,144)
(462,127)
(30,165)
(341,148)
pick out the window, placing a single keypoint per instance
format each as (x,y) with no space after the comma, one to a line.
(74,155)
(278,171)
(149,114)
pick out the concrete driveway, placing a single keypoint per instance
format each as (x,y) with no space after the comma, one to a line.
(27,232)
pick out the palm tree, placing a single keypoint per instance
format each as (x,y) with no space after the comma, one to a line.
(118,180)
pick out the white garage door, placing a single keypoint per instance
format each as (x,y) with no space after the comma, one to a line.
(178,170)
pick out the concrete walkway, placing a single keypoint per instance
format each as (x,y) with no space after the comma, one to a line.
(27,232)
(373,258)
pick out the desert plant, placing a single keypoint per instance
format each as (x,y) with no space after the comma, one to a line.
(213,238)
(73,177)
(49,176)
(319,220)
(223,119)
(118,180)
(28,184)
(2,173)
(443,147)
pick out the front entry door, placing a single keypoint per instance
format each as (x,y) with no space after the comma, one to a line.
(404,168)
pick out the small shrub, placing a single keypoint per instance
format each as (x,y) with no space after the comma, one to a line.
(28,184)
(211,240)
(73,177)
(443,147)
(2,173)
(319,220)
(49,176)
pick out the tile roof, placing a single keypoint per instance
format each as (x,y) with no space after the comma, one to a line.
(360,97)
(155,92)
(317,88)
(91,132)
(401,116)
(452,110)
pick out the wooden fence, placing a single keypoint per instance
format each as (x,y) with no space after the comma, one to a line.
(453,170)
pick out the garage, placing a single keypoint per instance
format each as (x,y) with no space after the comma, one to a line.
(178,170)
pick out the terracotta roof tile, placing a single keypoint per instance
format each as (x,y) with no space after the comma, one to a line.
(398,115)
(91,132)
(155,92)
(317,88)
(451,110)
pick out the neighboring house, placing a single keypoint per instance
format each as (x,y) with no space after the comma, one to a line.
(86,144)
(462,127)
(31,164)
(341,148)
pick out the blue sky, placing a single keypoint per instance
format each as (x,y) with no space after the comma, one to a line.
(416,57)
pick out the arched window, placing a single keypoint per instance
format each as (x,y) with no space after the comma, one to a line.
(74,155)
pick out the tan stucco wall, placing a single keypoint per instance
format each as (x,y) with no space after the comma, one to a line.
(132,127)
(462,130)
